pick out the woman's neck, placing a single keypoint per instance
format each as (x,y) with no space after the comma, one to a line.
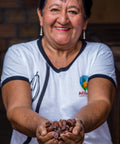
(59,55)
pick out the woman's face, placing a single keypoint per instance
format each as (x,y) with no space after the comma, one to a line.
(63,21)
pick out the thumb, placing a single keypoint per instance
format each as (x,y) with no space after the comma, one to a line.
(43,132)
(76,130)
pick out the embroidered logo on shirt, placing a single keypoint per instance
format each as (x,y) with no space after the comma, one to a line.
(84,85)
(84,82)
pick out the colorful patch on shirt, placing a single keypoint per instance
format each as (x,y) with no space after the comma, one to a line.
(84,82)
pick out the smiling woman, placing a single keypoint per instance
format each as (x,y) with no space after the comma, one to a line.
(60,87)
(63,23)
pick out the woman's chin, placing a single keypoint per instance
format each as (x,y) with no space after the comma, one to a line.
(62,40)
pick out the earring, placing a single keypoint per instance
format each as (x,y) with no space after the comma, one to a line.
(41,31)
(84,35)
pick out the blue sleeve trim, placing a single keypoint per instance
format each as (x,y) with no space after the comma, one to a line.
(103,76)
(14,78)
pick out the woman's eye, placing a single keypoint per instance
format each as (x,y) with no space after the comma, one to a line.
(73,12)
(54,10)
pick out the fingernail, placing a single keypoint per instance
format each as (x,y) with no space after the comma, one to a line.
(75,131)
(43,133)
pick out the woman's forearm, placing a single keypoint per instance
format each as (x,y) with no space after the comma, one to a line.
(25,120)
(94,114)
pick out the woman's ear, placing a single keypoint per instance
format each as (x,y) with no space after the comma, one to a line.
(85,24)
(40,16)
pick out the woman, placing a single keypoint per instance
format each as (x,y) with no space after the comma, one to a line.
(59,77)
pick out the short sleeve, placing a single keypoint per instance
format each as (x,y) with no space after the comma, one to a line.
(14,65)
(103,63)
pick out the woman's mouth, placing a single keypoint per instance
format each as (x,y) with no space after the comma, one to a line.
(62,28)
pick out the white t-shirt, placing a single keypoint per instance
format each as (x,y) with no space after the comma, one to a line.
(64,90)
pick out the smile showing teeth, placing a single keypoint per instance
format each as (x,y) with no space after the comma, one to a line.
(62,29)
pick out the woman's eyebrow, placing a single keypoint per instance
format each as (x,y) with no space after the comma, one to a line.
(53,5)
(68,7)
(74,7)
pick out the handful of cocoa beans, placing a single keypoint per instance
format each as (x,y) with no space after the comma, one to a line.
(59,127)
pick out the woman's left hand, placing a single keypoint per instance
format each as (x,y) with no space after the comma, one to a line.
(77,135)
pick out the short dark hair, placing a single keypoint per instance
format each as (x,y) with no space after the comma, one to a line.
(87,6)
(41,4)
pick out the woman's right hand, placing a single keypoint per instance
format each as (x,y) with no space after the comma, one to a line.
(44,137)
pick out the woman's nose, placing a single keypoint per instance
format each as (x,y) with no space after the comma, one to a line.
(63,18)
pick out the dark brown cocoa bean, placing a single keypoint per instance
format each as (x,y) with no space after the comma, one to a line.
(66,131)
(49,129)
(64,122)
(60,123)
(57,135)
(62,126)
(48,124)
(70,129)
(55,125)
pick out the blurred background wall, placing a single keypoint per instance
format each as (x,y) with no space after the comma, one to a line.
(19,23)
